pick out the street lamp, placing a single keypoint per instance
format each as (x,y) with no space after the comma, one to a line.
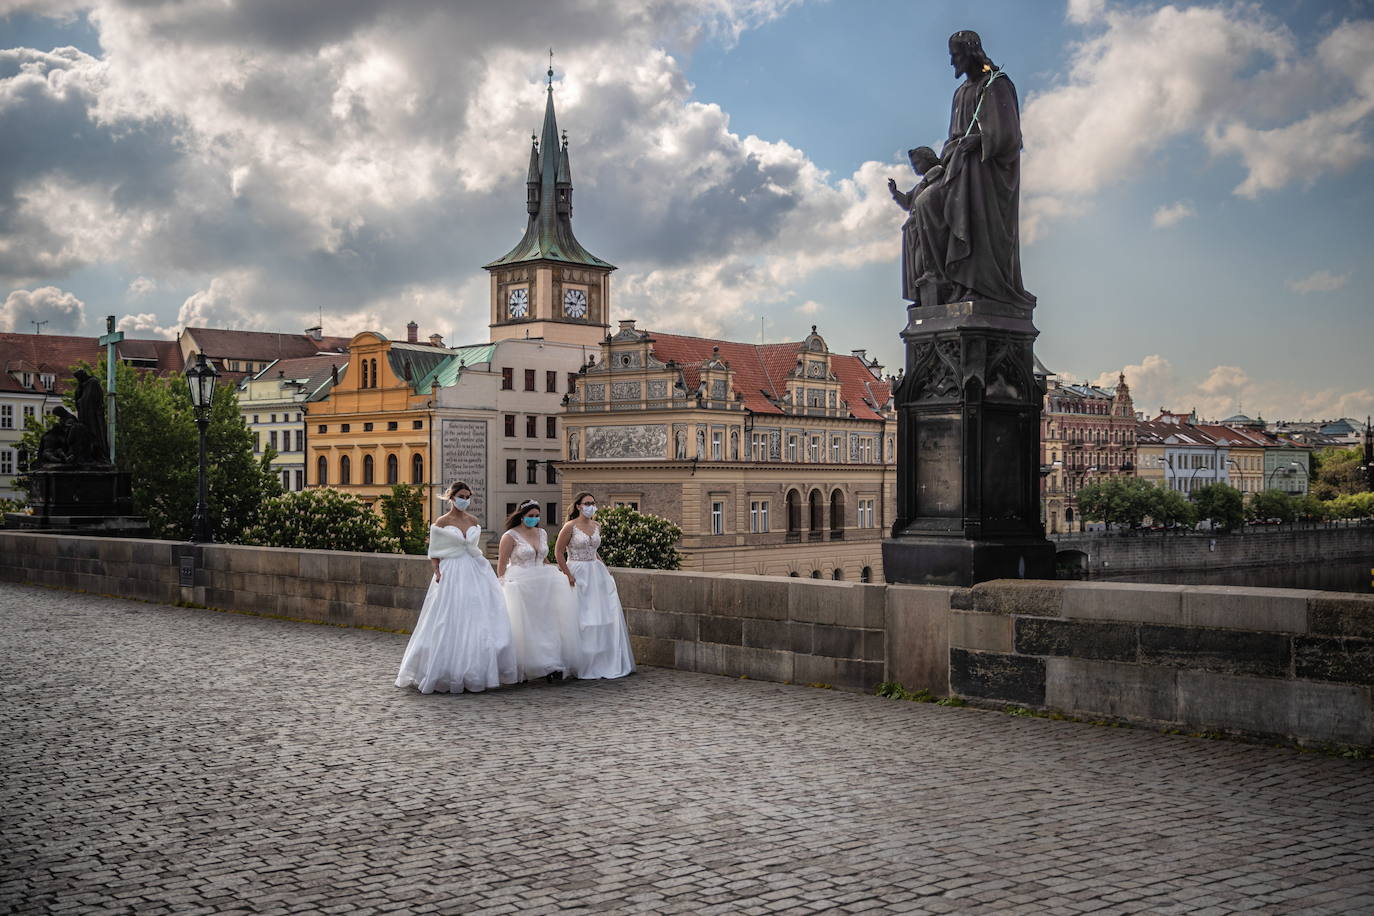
(1287,469)
(200,376)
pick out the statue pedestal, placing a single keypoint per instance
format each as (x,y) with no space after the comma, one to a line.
(88,501)
(968,449)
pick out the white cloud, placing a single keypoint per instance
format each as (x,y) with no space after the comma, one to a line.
(1083,11)
(145,323)
(140,287)
(809,307)
(1321,281)
(1172,214)
(1229,76)
(60,311)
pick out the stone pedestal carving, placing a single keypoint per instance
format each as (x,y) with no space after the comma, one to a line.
(968,449)
(87,501)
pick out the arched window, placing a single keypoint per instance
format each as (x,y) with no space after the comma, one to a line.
(364,366)
(367,469)
(393,469)
(417,468)
(815,573)
(793,575)
(345,470)
(837,514)
(322,471)
(817,513)
(866,575)
(793,512)
(374,373)
(837,575)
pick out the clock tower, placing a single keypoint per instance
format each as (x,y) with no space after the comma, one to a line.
(549,286)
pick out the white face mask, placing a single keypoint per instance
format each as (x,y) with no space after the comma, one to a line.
(461,503)
(589,511)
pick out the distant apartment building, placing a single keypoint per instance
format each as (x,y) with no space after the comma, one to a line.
(1088,433)
(273,404)
(774,459)
(238,355)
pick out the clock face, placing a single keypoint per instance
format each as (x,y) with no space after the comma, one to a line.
(574,303)
(519,303)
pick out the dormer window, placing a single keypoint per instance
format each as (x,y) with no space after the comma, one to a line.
(26,379)
(48,380)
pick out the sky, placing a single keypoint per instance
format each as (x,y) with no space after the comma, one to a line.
(1197,179)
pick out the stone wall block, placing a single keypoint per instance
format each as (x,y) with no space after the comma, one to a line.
(1076,638)
(767,634)
(1335,658)
(685,655)
(651,651)
(661,625)
(1131,601)
(1226,651)
(981,631)
(1032,597)
(682,592)
(115,550)
(875,606)
(994,676)
(380,595)
(1330,614)
(635,587)
(838,642)
(1294,709)
(918,637)
(343,567)
(313,565)
(765,664)
(875,646)
(1077,685)
(1282,610)
(382,569)
(724,630)
(815,669)
(414,572)
(825,601)
(764,597)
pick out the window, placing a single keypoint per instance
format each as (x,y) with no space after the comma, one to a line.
(367,427)
(393,469)
(814,452)
(510,508)
(572,382)
(837,514)
(272,440)
(793,512)
(758,516)
(368,465)
(550,428)
(716,445)
(865,519)
(529,379)
(817,506)
(300,441)
(758,446)
(551,513)
(364,383)
(510,424)
(551,383)
(512,473)
(322,471)
(274,418)
(392,424)
(550,472)
(298,416)
(257,442)
(507,379)
(836,449)
(629,503)
(345,427)
(717,518)
(791,448)
(256,420)
(322,429)
(417,468)
(286,480)
(300,479)
(345,470)
(531,427)
(531,471)
(417,424)
(6,416)
(48,380)
(6,461)
(374,373)
(866,575)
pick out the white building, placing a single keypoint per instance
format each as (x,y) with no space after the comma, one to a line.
(273,406)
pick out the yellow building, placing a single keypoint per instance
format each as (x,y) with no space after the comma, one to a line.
(773,459)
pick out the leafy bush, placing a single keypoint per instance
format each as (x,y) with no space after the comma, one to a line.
(403,514)
(1171,507)
(1124,501)
(1352,505)
(1337,472)
(320,519)
(637,540)
(1223,504)
(1268,504)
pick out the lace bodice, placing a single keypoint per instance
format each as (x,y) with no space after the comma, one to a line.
(583,547)
(524,555)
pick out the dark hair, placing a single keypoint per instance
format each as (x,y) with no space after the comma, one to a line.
(576,509)
(971,42)
(513,520)
(457,485)
(923,154)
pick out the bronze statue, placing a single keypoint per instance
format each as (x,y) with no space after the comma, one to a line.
(966,223)
(928,170)
(90,412)
(67,443)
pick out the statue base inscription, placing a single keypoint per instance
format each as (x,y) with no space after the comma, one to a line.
(88,501)
(968,444)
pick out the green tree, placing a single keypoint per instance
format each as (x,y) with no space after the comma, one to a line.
(1310,508)
(1123,501)
(403,515)
(158,444)
(1269,504)
(1351,505)
(1221,503)
(1338,472)
(1170,507)
(321,518)
(637,540)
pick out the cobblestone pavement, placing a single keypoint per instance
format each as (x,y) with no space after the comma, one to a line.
(165,760)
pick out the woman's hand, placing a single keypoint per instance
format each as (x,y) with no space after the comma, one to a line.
(572,580)
(437,575)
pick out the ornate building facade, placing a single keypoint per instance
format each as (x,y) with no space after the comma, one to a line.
(1087,433)
(774,459)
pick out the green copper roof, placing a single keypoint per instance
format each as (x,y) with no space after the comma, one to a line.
(447,372)
(549,235)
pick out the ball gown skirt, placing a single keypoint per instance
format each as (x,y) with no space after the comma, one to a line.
(604,639)
(543,614)
(463,639)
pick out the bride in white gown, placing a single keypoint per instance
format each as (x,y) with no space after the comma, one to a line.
(462,640)
(604,640)
(543,609)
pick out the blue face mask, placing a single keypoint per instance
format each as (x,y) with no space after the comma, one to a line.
(530,521)
(461,503)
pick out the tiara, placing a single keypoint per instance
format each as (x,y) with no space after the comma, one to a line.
(528,503)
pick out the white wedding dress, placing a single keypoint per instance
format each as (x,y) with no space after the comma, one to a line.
(543,610)
(604,639)
(462,640)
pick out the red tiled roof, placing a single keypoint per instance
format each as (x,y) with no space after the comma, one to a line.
(220,344)
(40,353)
(761,371)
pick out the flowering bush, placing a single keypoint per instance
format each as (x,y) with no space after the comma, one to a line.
(320,519)
(638,541)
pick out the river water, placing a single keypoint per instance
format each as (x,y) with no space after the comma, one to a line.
(1343,576)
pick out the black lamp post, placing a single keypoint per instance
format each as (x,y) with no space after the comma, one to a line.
(201,379)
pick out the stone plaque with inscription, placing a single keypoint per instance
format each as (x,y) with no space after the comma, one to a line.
(938,487)
(463,456)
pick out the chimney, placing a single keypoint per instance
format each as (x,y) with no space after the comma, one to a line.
(627,324)
(861,354)
(436,339)
(315,333)
(412,333)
